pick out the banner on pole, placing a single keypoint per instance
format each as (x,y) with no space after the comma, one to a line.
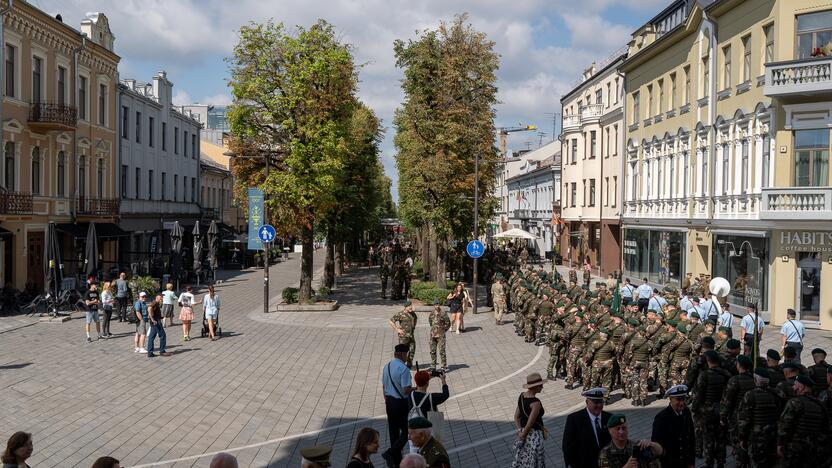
(255,218)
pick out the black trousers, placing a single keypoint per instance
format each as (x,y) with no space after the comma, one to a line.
(396,409)
(643,303)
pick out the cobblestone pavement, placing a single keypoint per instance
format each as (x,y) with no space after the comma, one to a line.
(275,383)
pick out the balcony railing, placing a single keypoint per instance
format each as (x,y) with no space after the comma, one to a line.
(97,206)
(806,203)
(523,214)
(807,76)
(15,203)
(591,112)
(52,115)
(571,122)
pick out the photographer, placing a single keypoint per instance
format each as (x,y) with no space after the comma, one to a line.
(625,453)
(424,400)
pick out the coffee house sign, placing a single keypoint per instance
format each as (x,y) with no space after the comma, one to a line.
(787,242)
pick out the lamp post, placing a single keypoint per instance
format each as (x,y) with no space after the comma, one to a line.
(476,220)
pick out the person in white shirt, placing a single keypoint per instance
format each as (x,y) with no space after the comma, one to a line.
(792,333)
(187,301)
(685,303)
(644,292)
(656,302)
(748,334)
(726,319)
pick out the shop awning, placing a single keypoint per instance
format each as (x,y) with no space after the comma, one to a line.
(79,230)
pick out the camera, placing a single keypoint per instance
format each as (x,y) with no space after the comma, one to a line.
(437,372)
(643,455)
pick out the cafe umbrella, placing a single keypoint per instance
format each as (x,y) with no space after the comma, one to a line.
(91,253)
(52,267)
(213,247)
(176,234)
(197,251)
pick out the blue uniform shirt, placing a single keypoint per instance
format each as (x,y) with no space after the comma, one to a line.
(395,378)
(748,324)
(656,303)
(627,291)
(726,318)
(686,304)
(644,291)
(794,331)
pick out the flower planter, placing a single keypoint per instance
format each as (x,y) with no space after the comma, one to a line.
(320,306)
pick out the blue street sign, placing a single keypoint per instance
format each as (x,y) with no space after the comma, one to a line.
(475,249)
(266,233)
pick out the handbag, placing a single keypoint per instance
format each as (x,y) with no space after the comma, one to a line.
(523,409)
(437,419)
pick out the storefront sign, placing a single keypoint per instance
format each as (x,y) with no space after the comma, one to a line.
(786,242)
(630,247)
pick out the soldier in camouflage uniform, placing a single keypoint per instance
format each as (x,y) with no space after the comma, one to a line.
(817,371)
(398,281)
(697,366)
(383,274)
(735,390)
(663,350)
(404,324)
(705,407)
(637,355)
(555,338)
(681,353)
(545,309)
(498,297)
(803,430)
(530,317)
(573,276)
(620,450)
(601,351)
(757,417)
(590,334)
(577,340)
(440,323)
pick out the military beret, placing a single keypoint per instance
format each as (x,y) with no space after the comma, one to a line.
(580,315)
(672,323)
(724,329)
(318,454)
(632,322)
(604,330)
(710,321)
(668,289)
(682,329)
(593,294)
(762,372)
(677,391)
(418,423)
(805,380)
(732,344)
(616,420)
(772,354)
(652,310)
(789,365)
(596,393)
(402,348)
(408,303)
(695,298)
(818,351)
(744,361)
(695,314)
(681,311)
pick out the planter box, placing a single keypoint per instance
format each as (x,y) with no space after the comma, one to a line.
(316,307)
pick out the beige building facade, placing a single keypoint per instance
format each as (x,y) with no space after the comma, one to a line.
(59,141)
(727,145)
(593,128)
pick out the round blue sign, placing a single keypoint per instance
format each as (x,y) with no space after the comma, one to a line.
(475,249)
(266,233)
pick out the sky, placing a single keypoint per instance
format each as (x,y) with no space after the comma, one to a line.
(544,45)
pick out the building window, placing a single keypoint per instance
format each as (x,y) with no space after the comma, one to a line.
(614,144)
(599,96)
(185,144)
(164,136)
(138,127)
(8,166)
(61,85)
(123,181)
(82,97)
(593,144)
(725,169)
(685,163)
(193,146)
(151,126)
(613,196)
(82,176)
(746,58)
(687,85)
(605,190)
(175,187)
(615,91)
(672,91)
(660,182)
(814,32)
(672,183)
(661,98)
(164,186)
(649,101)
(744,167)
(657,255)
(635,181)
(574,150)
(743,261)
(138,183)
(150,184)
(574,194)
(184,188)
(125,122)
(706,77)
(609,94)
(636,103)
(37,69)
(100,177)
(102,105)
(811,165)
(193,189)
(705,174)
(175,140)
(61,174)
(591,192)
(768,53)
(35,171)
(726,69)
(10,64)
(766,159)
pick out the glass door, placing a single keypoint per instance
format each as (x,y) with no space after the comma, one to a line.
(808,288)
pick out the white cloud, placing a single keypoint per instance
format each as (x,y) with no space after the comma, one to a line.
(181,97)
(222,99)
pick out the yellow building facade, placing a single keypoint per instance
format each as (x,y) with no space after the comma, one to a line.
(726,152)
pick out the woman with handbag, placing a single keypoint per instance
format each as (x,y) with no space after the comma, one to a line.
(107,301)
(454,301)
(528,418)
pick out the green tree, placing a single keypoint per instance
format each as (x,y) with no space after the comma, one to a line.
(447,118)
(293,99)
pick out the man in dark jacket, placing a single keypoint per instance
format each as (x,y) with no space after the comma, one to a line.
(673,430)
(585,432)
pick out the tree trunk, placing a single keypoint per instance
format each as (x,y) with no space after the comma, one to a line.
(307,239)
(329,263)
(441,263)
(425,254)
(339,258)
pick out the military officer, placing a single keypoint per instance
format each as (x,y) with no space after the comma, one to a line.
(404,324)
(757,417)
(419,432)
(709,388)
(439,325)
(620,451)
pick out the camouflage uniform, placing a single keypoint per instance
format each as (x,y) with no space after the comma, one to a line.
(614,457)
(435,454)
(757,425)
(398,281)
(439,324)
(407,322)
(680,360)
(705,407)
(530,318)
(554,339)
(498,294)
(383,274)
(544,316)
(577,341)
(735,390)
(602,350)
(637,354)
(803,432)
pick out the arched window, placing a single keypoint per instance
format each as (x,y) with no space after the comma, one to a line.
(100,177)
(82,176)
(35,171)
(61,174)
(8,166)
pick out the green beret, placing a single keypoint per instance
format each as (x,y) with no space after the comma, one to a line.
(436,302)
(668,289)
(694,314)
(695,298)
(682,329)
(580,315)
(583,302)
(710,321)
(418,423)
(652,310)
(604,330)
(672,323)
(593,294)
(744,361)
(616,420)
(732,344)
(724,329)
(408,303)
(632,322)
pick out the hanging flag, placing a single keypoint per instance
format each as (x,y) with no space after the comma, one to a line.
(255,218)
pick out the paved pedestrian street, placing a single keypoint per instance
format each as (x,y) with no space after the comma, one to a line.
(273,384)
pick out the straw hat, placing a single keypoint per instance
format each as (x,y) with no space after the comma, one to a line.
(533,380)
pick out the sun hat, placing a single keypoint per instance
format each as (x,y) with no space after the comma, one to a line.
(533,380)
